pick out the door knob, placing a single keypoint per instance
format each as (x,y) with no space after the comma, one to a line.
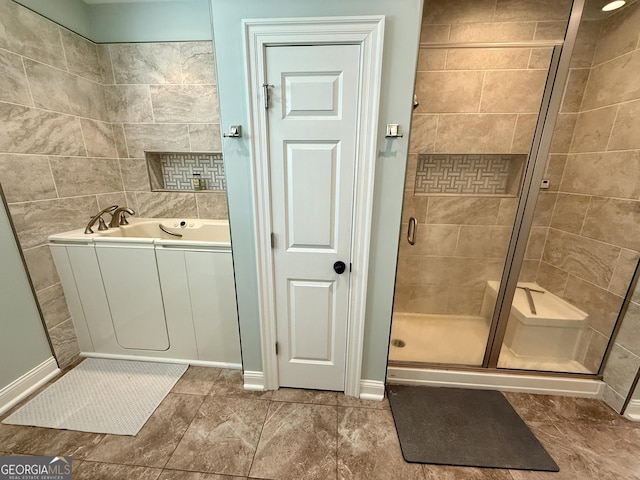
(339,267)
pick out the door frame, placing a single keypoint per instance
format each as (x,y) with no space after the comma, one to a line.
(368,32)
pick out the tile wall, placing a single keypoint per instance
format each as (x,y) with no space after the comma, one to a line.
(74,120)
(593,245)
(472,101)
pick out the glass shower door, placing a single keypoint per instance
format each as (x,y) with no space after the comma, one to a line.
(471,135)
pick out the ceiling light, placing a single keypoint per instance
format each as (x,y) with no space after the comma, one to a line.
(613,5)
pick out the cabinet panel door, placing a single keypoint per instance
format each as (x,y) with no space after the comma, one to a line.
(213,301)
(130,277)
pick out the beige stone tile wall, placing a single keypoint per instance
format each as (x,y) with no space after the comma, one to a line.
(472,100)
(75,118)
(593,243)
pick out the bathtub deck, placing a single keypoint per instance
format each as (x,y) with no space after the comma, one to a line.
(458,340)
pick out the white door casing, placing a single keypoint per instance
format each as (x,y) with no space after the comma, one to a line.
(313,99)
(367,33)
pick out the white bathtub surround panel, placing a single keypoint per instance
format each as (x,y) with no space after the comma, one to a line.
(78,402)
(28,383)
(572,387)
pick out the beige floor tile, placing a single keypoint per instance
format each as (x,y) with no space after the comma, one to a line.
(108,471)
(222,438)
(298,441)
(297,395)
(182,475)
(445,472)
(346,401)
(197,380)
(157,440)
(17,439)
(229,382)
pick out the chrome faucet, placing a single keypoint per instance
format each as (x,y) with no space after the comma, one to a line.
(118,216)
(98,217)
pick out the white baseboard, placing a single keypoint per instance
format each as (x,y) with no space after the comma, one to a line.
(574,387)
(179,361)
(632,412)
(253,381)
(371,390)
(27,384)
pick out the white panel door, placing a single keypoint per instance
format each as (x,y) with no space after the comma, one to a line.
(312,120)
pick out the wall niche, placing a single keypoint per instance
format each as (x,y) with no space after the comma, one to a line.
(175,171)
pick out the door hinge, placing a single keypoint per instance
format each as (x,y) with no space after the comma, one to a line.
(277,349)
(273,240)
(266,87)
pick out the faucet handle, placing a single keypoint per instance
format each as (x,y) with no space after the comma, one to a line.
(123,219)
(102,225)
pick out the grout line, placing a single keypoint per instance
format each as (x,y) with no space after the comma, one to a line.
(584,220)
(113,70)
(53,179)
(26,77)
(613,126)
(615,270)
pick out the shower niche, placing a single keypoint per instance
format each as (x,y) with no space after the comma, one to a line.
(176,171)
(469,174)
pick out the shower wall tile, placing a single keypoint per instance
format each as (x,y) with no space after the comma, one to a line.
(98,137)
(120,140)
(422,299)
(492,32)
(463,210)
(552,278)
(165,204)
(487,58)
(410,179)
(629,333)
(483,241)
(535,244)
(523,135)
(74,95)
(483,133)
(85,176)
(27,33)
(585,45)
(212,205)
(596,348)
(13,82)
(415,206)
(540,57)
(458,11)
(550,30)
(507,211)
(21,187)
(523,10)
(156,137)
(448,92)
(544,209)
(613,82)
(205,137)
(610,174)
(53,305)
(41,267)
(621,369)
(65,344)
(432,59)
(525,91)
(28,130)
(569,212)
(625,131)
(555,169)
(467,301)
(574,91)
(452,271)
(35,221)
(563,132)
(107,199)
(602,306)
(587,259)
(436,240)
(146,63)
(619,35)
(104,62)
(134,174)
(128,103)
(184,104)
(81,55)
(613,221)
(423,133)
(434,33)
(625,267)
(593,129)
(197,63)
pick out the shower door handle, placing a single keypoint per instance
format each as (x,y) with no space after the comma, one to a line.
(411,231)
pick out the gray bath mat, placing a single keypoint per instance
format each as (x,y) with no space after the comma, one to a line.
(471,428)
(101,396)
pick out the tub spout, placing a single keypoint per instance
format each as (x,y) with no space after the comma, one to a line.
(118,216)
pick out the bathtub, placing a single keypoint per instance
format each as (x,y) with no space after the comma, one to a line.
(554,332)
(156,289)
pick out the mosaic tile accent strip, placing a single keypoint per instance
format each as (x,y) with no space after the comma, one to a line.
(476,174)
(178,170)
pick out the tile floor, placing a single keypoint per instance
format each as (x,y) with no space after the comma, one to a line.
(209,428)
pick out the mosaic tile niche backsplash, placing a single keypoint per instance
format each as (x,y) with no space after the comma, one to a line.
(472,174)
(175,170)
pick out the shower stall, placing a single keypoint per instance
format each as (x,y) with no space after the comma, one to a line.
(520,220)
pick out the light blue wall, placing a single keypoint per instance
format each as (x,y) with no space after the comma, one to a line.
(23,343)
(162,21)
(400,54)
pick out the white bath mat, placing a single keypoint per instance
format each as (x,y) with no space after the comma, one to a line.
(101,396)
